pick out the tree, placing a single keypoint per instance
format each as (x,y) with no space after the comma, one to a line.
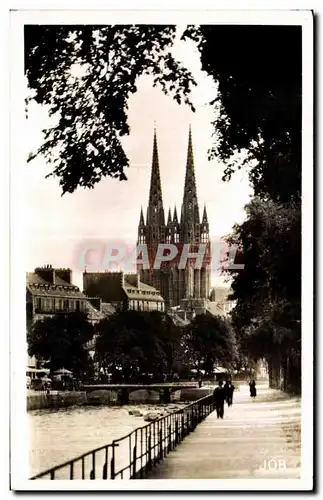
(258,108)
(85,74)
(61,342)
(258,71)
(267,291)
(210,339)
(136,343)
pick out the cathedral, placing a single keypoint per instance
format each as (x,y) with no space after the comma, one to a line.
(177,286)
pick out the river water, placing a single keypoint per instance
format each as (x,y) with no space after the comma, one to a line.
(57,436)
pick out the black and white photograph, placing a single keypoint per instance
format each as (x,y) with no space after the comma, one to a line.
(161,207)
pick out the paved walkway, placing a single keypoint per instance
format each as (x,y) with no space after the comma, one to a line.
(256,439)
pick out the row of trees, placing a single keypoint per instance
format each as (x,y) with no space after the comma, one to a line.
(132,344)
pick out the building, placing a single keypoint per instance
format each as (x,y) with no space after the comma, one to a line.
(175,284)
(220,304)
(50,291)
(122,291)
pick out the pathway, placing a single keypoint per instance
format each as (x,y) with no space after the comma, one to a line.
(256,439)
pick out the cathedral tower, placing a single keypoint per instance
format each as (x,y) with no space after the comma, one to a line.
(175,284)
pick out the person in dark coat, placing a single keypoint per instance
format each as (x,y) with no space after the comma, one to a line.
(253,390)
(219,396)
(230,391)
(227,391)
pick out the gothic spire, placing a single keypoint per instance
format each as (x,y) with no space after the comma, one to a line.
(204,218)
(169,220)
(155,212)
(190,185)
(141,220)
(190,218)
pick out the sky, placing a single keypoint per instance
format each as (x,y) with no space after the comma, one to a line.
(58,227)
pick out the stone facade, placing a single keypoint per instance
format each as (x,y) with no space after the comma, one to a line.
(123,291)
(49,292)
(175,284)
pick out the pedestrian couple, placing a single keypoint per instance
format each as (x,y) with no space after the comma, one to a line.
(222,394)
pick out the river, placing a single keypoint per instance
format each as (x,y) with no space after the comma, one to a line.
(60,435)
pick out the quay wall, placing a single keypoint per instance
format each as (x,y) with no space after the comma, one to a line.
(41,400)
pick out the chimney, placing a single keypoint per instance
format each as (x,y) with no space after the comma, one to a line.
(133,279)
(47,273)
(64,274)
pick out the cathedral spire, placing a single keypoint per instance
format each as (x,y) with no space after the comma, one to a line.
(169,220)
(190,218)
(155,211)
(190,185)
(141,219)
(204,218)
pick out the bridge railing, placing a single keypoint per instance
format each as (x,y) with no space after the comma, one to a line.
(134,455)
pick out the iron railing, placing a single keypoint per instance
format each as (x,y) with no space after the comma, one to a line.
(134,455)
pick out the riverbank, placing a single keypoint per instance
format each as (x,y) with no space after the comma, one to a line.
(42,400)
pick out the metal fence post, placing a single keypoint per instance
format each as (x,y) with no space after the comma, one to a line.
(112,463)
(160,444)
(134,459)
(176,433)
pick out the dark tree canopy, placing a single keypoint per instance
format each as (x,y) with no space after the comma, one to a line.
(86,75)
(259,102)
(61,341)
(258,107)
(267,315)
(137,343)
(210,340)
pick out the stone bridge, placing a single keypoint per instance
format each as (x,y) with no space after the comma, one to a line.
(124,390)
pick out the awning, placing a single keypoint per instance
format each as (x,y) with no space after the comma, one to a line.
(219,369)
(37,370)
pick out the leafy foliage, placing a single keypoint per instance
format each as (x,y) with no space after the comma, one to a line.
(258,109)
(270,242)
(210,340)
(267,291)
(61,341)
(137,343)
(85,74)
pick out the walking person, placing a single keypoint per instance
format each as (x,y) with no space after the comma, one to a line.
(230,391)
(253,390)
(227,391)
(219,396)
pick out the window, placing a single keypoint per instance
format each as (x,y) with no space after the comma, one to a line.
(176,238)
(48,304)
(78,308)
(38,304)
(65,305)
